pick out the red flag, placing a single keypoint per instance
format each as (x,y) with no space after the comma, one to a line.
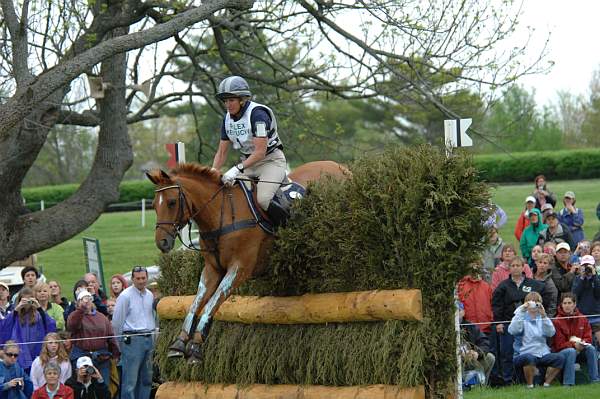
(172,149)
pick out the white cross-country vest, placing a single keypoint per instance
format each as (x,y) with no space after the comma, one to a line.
(240,132)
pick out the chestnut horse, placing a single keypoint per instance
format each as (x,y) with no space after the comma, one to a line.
(234,247)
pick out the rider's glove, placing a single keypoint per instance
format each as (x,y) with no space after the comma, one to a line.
(229,177)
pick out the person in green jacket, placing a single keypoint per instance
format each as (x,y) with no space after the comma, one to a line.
(42,294)
(530,235)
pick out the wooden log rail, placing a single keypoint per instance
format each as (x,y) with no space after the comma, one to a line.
(309,308)
(196,390)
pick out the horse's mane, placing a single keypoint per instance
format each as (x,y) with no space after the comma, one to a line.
(194,170)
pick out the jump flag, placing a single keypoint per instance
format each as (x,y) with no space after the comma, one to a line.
(455,131)
(177,154)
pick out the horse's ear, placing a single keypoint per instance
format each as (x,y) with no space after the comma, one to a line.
(151,175)
(165,175)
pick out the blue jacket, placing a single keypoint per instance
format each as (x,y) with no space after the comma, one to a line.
(574,221)
(8,373)
(587,290)
(530,333)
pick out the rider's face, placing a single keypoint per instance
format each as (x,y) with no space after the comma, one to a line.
(233,105)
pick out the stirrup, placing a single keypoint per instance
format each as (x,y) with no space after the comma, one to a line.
(194,353)
(177,349)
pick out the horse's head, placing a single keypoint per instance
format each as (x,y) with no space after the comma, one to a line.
(172,209)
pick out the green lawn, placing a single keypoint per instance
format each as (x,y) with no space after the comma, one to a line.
(591,391)
(124,243)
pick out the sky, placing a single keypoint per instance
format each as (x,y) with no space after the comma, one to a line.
(574,33)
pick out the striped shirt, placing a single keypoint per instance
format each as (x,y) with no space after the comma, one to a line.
(133,311)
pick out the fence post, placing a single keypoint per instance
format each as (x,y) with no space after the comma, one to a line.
(42,207)
(143,212)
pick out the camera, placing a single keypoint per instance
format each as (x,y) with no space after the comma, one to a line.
(30,301)
(90,370)
(532,305)
(589,269)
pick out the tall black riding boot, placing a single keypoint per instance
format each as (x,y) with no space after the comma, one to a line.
(277,214)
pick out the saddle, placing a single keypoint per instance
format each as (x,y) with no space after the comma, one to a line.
(279,208)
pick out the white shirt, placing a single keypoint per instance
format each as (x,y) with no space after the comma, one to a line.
(133,311)
(37,372)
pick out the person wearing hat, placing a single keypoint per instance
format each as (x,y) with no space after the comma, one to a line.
(546,208)
(563,272)
(531,234)
(586,286)
(252,129)
(572,217)
(556,231)
(92,334)
(573,339)
(53,388)
(523,220)
(87,381)
(5,305)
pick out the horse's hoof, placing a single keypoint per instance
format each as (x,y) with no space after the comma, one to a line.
(177,349)
(194,354)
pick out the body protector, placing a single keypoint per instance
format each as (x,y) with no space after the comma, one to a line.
(240,132)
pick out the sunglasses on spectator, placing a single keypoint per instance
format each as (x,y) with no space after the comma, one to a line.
(15,355)
(138,269)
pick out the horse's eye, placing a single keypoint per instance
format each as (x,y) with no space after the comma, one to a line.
(171,203)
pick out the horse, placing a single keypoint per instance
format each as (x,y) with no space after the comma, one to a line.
(233,245)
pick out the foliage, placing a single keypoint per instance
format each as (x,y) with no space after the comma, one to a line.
(590,129)
(410,218)
(524,166)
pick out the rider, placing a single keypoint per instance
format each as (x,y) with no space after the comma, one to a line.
(252,129)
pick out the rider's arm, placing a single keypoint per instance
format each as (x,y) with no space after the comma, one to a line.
(221,154)
(260,150)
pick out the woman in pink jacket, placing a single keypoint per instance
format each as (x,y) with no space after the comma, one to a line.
(502,270)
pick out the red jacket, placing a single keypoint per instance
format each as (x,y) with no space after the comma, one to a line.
(567,328)
(476,295)
(64,392)
(522,223)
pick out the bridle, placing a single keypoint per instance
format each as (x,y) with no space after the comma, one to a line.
(179,223)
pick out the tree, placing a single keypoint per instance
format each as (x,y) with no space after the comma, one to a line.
(51,45)
(590,129)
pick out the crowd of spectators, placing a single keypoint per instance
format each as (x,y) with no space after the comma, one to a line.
(51,347)
(538,311)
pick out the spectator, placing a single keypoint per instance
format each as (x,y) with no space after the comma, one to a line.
(87,382)
(89,329)
(523,220)
(543,273)
(572,217)
(110,306)
(82,285)
(496,219)
(531,234)
(476,296)
(53,351)
(54,387)
(492,253)
(542,194)
(27,323)
(56,295)
(555,231)
(583,249)
(117,285)
(503,269)
(30,276)
(475,349)
(595,252)
(531,328)
(536,251)
(550,248)
(546,209)
(15,381)
(586,286)
(133,318)
(505,299)
(65,338)
(5,306)
(92,281)
(562,271)
(573,340)
(42,294)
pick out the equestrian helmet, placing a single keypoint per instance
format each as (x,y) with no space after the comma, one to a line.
(233,87)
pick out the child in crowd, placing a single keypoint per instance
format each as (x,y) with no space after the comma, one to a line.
(53,350)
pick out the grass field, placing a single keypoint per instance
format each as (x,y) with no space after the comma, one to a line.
(591,391)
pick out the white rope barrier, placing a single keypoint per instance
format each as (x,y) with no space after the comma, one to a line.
(551,318)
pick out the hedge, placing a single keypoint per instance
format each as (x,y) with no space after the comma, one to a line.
(409,218)
(524,166)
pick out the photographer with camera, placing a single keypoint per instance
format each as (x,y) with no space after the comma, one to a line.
(87,382)
(14,381)
(28,323)
(586,286)
(531,328)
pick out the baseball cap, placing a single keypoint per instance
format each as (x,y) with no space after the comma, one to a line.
(587,260)
(551,213)
(569,194)
(84,361)
(82,294)
(2,284)
(546,206)
(530,199)
(563,245)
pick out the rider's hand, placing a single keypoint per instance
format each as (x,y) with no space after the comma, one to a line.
(229,177)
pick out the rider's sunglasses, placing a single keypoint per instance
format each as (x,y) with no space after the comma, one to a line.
(15,355)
